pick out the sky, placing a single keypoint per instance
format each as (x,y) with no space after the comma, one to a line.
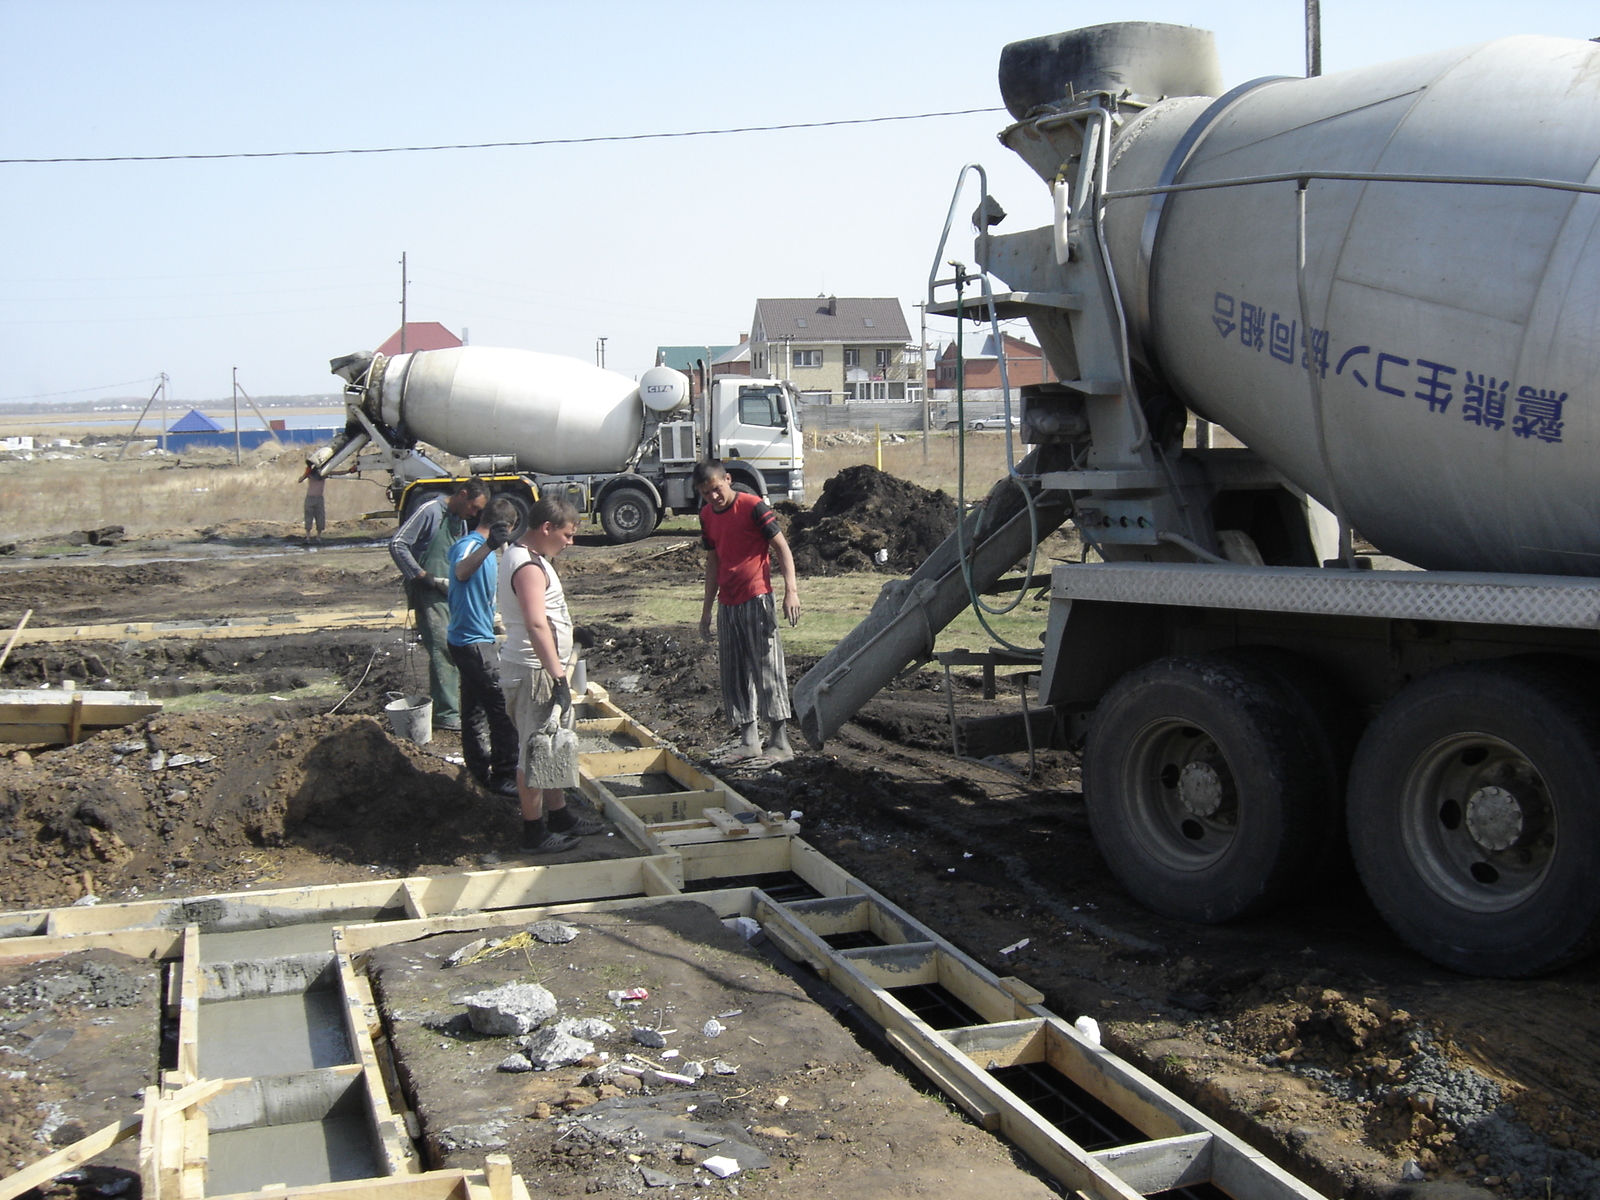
(112,273)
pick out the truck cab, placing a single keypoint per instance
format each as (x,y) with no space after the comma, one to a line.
(755,425)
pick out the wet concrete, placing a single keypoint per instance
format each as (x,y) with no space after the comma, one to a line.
(310,1152)
(656,783)
(272,1035)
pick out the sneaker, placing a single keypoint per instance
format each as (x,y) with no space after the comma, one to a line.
(582,827)
(448,725)
(554,843)
(503,787)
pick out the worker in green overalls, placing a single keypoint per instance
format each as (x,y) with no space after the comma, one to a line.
(421,549)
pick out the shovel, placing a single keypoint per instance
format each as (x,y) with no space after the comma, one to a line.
(553,749)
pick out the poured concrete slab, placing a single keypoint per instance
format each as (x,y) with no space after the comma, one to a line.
(272,1035)
(829,1117)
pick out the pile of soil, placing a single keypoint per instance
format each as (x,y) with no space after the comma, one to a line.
(863,511)
(179,799)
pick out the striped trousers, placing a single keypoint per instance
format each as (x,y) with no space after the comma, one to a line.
(754,685)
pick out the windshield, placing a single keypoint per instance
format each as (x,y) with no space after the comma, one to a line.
(761,405)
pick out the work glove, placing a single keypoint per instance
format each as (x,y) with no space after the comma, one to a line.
(584,636)
(442,586)
(500,535)
(561,694)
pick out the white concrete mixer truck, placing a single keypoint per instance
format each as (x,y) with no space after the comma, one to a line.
(1385,284)
(621,451)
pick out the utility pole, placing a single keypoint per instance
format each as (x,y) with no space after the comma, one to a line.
(236,455)
(1313,38)
(600,353)
(403,282)
(922,372)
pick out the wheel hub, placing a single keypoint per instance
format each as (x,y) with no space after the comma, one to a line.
(1200,789)
(1494,818)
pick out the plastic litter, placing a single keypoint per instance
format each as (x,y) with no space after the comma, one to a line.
(1015,946)
(628,996)
(1089,1029)
(713,1028)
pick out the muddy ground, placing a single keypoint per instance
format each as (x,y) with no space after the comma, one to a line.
(1312,1032)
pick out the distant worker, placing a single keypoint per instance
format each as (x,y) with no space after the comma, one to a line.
(316,512)
(740,534)
(424,561)
(533,670)
(488,736)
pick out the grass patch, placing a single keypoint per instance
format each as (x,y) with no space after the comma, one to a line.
(230,702)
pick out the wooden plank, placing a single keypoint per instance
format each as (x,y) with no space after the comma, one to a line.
(619,814)
(821,872)
(497,1168)
(149,1138)
(605,764)
(832,915)
(15,634)
(136,943)
(415,909)
(362,1025)
(728,859)
(977,988)
(64,1159)
(1164,1165)
(1242,1170)
(656,883)
(190,986)
(525,887)
(430,1185)
(196,1157)
(1001,1044)
(661,808)
(356,939)
(228,627)
(978,1107)
(907,965)
(1025,994)
(726,822)
(75,719)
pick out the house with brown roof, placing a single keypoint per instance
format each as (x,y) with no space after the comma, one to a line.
(837,348)
(1025,363)
(420,335)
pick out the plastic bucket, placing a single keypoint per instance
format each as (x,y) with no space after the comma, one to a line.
(411,717)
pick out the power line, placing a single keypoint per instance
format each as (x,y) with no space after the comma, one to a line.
(583,141)
(75,391)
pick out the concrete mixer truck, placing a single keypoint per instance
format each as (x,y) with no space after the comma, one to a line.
(1385,284)
(621,451)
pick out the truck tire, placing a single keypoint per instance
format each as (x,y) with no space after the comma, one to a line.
(1474,814)
(1327,717)
(1206,795)
(628,514)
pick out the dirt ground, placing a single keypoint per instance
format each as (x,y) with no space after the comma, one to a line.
(786,1091)
(1312,1032)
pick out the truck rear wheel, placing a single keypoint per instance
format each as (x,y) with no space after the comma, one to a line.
(627,515)
(1205,793)
(1474,817)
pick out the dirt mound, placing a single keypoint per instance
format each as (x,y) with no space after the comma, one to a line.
(865,515)
(182,796)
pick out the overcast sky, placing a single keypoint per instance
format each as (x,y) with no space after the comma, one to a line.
(115,272)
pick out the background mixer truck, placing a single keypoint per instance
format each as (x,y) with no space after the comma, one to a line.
(1386,284)
(620,450)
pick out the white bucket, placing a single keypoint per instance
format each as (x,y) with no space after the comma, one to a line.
(411,717)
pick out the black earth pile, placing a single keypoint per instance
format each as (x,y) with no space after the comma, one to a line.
(863,511)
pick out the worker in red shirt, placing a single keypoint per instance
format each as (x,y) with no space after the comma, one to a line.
(740,534)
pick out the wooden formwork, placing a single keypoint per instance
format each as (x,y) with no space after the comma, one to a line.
(691,829)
